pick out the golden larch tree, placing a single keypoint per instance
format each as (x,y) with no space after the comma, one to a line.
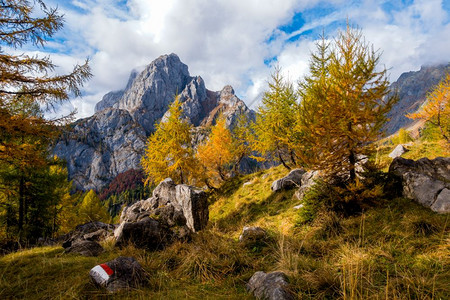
(347,95)
(169,151)
(436,109)
(217,154)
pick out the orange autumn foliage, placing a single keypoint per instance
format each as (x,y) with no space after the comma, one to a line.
(216,155)
(437,108)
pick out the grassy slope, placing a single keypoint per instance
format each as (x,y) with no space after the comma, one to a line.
(398,250)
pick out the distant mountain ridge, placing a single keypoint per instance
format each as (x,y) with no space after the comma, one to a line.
(412,88)
(113,140)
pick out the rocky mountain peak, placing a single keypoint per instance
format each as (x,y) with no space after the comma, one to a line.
(112,141)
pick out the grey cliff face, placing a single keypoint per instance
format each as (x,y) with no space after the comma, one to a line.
(412,89)
(113,140)
(101,147)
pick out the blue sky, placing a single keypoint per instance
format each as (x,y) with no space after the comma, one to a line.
(236,42)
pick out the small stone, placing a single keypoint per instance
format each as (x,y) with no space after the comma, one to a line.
(270,286)
(398,151)
(252,234)
(118,274)
(298,206)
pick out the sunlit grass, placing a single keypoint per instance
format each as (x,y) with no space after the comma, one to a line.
(394,250)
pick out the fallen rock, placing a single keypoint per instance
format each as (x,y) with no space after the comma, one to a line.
(292,180)
(118,274)
(270,286)
(252,234)
(425,181)
(85,248)
(398,151)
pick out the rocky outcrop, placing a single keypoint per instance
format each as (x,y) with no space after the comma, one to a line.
(425,181)
(119,274)
(270,286)
(113,140)
(172,213)
(292,180)
(412,88)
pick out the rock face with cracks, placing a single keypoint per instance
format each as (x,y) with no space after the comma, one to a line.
(425,181)
(172,213)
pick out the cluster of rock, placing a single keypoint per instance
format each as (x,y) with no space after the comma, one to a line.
(297,179)
(84,239)
(425,181)
(112,141)
(172,213)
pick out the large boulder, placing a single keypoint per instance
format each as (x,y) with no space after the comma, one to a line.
(425,181)
(172,213)
(147,233)
(194,205)
(270,286)
(118,274)
(292,180)
(85,248)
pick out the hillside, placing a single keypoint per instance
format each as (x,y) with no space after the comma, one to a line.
(395,249)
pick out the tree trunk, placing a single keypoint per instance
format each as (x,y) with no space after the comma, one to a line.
(21,202)
(352,161)
(352,156)
(281,159)
(293,158)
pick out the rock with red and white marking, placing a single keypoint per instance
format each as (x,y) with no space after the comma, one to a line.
(118,274)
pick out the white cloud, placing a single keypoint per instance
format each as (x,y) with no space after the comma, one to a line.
(227,41)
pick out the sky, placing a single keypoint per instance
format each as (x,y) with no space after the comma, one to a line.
(236,42)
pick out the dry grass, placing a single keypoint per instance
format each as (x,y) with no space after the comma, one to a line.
(394,250)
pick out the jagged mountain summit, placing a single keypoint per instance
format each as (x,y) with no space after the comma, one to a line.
(412,88)
(112,141)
